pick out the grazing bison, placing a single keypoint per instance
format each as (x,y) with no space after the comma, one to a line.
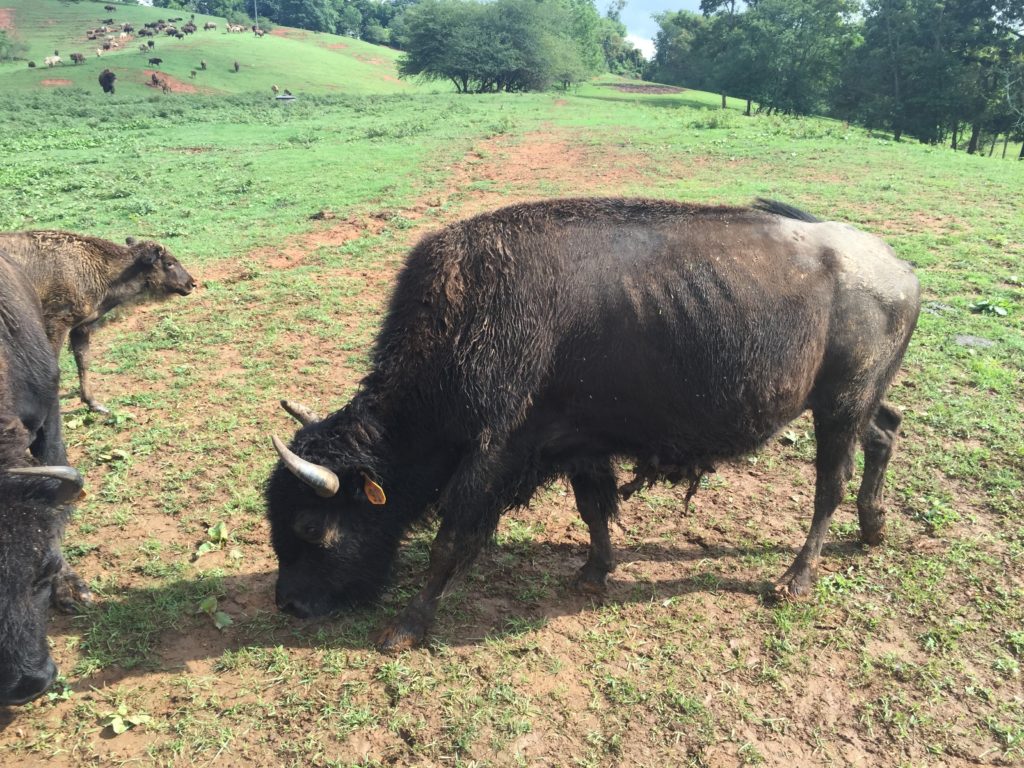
(156,62)
(78,58)
(107,79)
(79,279)
(32,497)
(551,339)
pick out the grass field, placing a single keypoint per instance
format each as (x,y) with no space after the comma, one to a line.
(907,654)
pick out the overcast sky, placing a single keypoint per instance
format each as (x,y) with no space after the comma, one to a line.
(637,18)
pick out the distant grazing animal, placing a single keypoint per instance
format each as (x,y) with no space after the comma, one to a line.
(122,36)
(202,64)
(99,52)
(189,28)
(558,338)
(56,53)
(31,65)
(208,26)
(156,62)
(114,44)
(127,28)
(108,21)
(108,8)
(108,46)
(155,78)
(275,89)
(165,86)
(151,44)
(237,66)
(78,58)
(80,278)
(35,486)
(52,61)
(144,48)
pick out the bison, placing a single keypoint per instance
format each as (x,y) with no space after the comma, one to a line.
(32,497)
(156,62)
(107,79)
(78,58)
(556,338)
(80,278)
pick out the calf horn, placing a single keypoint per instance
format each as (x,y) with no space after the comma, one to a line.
(301,413)
(319,478)
(70,481)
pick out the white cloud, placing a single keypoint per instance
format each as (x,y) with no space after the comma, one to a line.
(643,44)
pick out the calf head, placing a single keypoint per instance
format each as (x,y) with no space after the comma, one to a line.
(164,274)
(32,518)
(332,531)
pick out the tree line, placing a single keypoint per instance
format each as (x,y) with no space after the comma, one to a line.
(507,45)
(932,69)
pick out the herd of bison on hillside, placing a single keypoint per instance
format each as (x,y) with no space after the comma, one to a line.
(538,341)
(110,36)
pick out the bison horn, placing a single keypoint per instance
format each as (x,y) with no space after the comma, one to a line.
(70,481)
(320,479)
(300,413)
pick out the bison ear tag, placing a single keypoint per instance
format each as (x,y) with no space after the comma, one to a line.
(373,491)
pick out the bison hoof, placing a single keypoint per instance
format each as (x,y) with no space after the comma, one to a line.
(872,535)
(69,593)
(98,408)
(591,582)
(397,637)
(794,586)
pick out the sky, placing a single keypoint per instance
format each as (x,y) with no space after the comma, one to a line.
(637,18)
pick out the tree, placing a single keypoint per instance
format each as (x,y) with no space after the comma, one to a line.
(506,45)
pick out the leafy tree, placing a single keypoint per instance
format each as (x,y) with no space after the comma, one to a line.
(9,48)
(506,45)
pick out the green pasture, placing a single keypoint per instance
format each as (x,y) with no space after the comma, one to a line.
(907,654)
(303,62)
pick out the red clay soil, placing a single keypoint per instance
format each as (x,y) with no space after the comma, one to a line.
(176,86)
(643,88)
(6,18)
(56,82)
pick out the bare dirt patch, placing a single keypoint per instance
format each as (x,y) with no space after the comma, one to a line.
(643,88)
(173,84)
(55,82)
(7,19)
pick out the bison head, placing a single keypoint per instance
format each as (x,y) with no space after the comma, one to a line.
(164,273)
(333,530)
(31,522)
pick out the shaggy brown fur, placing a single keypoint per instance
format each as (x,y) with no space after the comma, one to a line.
(80,278)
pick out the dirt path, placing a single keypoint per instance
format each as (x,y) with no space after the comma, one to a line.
(7,19)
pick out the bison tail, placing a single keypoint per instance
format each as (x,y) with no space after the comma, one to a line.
(781,209)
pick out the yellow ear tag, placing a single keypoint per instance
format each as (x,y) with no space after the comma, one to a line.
(373,491)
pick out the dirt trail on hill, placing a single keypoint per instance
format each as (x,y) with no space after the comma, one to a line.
(7,19)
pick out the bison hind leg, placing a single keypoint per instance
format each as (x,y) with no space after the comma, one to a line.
(878,442)
(834,468)
(597,502)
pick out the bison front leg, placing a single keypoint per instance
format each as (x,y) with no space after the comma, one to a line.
(597,502)
(80,349)
(451,553)
(834,465)
(69,593)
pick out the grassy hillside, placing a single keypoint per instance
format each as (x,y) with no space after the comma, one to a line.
(295,219)
(299,61)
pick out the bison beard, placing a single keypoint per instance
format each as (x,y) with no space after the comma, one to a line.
(547,340)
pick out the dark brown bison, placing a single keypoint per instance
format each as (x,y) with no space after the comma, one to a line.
(78,58)
(35,486)
(156,62)
(552,339)
(80,278)
(107,79)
